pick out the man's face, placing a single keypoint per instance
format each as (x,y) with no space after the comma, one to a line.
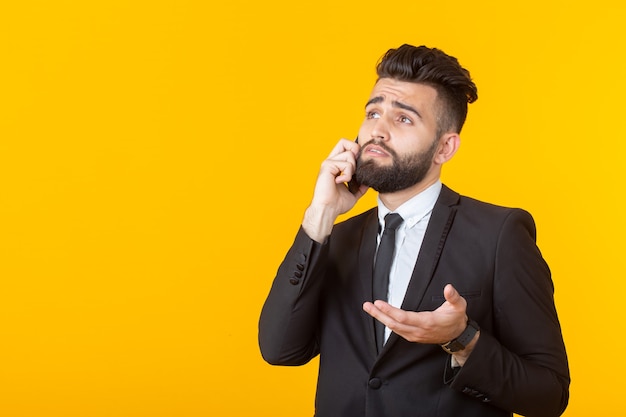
(398,137)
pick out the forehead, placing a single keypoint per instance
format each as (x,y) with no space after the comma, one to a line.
(421,95)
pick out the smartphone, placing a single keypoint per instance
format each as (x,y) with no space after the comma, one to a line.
(353,185)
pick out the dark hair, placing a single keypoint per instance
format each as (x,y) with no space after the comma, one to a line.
(431,66)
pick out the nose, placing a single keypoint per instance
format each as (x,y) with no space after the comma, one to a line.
(380,130)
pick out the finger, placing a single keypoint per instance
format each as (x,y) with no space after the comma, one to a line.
(373,310)
(397,320)
(452,296)
(346,156)
(370,309)
(345,175)
(341,169)
(386,308)
(347,164)
(345,145)
(352,146)
(392,315)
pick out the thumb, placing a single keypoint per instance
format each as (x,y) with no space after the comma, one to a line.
(452,296)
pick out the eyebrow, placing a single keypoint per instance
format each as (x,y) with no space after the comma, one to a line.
(398,104)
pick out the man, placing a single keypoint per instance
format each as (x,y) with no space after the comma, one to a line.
(470,326)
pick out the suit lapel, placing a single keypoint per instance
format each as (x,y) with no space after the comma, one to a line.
(367,251)
(434,240)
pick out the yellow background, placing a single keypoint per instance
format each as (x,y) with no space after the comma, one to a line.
(156,158)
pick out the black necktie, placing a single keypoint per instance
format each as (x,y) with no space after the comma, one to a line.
(384,258)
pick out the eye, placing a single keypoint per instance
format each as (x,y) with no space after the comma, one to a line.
(372,115)
(404,119)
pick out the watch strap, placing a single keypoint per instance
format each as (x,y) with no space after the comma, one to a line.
(460,342)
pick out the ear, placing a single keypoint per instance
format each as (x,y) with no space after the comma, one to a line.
(448,145)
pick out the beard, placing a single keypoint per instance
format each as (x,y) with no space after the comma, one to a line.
(404,172)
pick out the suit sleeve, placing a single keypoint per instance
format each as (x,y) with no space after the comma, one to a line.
(520,364)
(288,326)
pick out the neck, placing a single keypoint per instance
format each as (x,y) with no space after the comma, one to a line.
(394,200)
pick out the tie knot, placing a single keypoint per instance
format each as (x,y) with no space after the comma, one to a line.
(393,221)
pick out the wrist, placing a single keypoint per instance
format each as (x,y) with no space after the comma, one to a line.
(462,355)
(318,222)
(462,341)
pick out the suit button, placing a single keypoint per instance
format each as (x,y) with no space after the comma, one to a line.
(300,267)
(297,274)
(294,281)
(374,383)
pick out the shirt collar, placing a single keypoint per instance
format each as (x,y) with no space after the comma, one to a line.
(414,209)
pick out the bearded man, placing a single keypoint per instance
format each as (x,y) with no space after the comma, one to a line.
(432,303)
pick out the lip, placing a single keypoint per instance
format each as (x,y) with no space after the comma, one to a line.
(376,151)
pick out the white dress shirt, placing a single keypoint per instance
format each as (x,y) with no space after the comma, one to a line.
(409,236)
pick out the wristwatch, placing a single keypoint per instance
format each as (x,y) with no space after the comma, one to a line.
(463,340)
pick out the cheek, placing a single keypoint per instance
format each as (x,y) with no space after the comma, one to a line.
(413,136)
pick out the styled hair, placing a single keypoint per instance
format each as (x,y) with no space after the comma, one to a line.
(431,66)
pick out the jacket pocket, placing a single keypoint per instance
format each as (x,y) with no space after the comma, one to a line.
(465,294)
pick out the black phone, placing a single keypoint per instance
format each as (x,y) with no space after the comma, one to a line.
(353,185)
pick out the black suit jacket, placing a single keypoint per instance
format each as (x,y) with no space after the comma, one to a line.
(490,256)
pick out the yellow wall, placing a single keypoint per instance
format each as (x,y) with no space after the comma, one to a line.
(132,131)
